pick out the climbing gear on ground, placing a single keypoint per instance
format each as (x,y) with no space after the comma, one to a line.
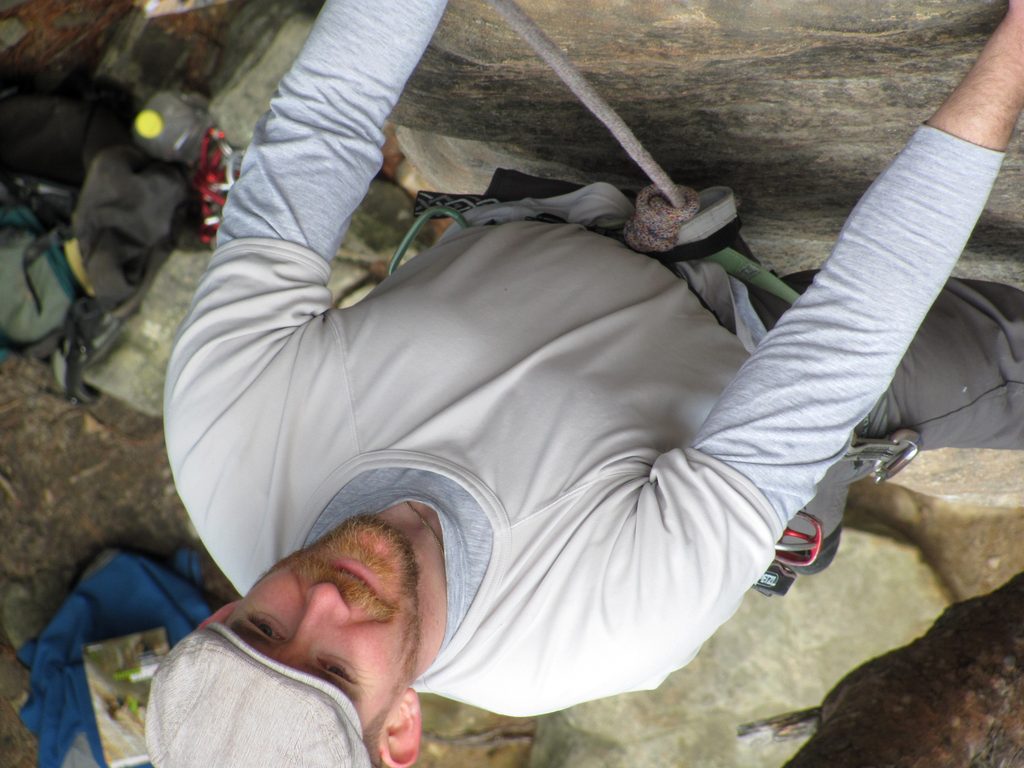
(106,215)
(216,172)
(171,127)
(177,128)
(36,284)
(55,137)
(89,334)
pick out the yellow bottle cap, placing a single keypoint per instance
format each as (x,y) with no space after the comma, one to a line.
(149,124)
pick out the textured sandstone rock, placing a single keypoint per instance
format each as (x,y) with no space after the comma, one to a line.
(796,104)
(973,549)
(134,370)
(240,101)
(977,477)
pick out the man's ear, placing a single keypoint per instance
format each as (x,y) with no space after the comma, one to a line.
(400,737)
(220,615)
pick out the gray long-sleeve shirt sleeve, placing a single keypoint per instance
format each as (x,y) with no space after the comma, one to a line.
(314,153)
(789,413)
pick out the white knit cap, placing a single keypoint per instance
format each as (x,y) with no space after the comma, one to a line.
(217,702)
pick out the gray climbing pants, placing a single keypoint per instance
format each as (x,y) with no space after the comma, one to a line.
(960,384)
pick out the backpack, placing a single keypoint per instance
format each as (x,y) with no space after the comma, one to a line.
(86,219)
(36,284)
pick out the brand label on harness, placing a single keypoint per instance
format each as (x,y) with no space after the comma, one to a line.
(769,579)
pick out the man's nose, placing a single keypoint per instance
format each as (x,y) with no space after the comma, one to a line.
(324,612)
(325,606)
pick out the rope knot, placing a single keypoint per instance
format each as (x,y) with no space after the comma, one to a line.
(654,225)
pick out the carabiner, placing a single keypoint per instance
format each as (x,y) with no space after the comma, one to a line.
(797,547)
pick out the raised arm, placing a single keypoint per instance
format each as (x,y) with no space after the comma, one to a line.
(243,351)
(788,414)
(316,150)
(985,107)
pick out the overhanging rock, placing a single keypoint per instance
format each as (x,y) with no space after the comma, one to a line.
(796,104)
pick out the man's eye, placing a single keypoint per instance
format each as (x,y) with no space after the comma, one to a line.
(337,671)
(263,627)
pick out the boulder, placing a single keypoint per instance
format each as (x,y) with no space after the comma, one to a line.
(978,477)
(973,548)
(134,370)
(795,104)
(775,655)
(950,698)
(245,95)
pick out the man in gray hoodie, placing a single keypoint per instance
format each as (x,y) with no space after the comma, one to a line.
(531,468)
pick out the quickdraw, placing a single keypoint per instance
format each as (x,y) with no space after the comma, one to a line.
(216,172)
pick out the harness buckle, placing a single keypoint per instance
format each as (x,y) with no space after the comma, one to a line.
(888,454)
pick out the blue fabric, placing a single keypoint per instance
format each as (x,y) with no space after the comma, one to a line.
(131,593)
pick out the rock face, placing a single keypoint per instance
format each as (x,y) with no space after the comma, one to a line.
(134,370)
(951,698)
(973,549)
(795,104)
(239,101)
(775,655)
(980,477)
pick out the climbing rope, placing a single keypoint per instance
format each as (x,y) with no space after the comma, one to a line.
(545,47)
(661,209)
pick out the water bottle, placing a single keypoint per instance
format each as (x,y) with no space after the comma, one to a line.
(171,126)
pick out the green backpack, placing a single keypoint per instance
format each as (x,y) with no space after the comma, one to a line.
(36,284)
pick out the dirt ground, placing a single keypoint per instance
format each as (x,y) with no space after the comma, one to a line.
(74,480)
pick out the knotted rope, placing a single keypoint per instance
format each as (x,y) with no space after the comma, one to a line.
(660,209)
